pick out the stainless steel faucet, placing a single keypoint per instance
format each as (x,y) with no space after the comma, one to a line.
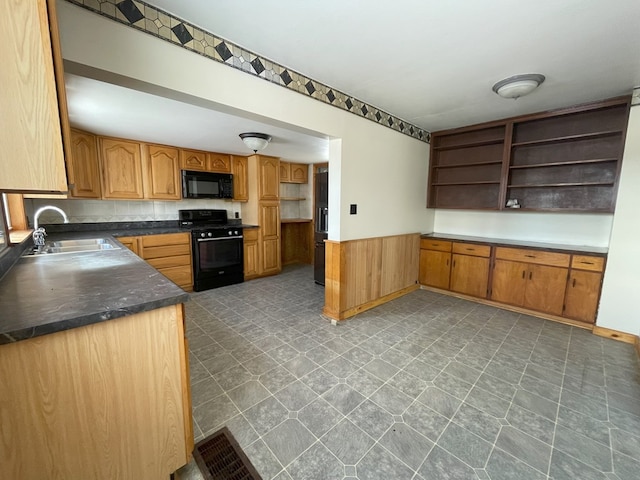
(39,232)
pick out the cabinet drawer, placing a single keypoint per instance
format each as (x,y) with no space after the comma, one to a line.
(585,262)
(533,256)
(165,251)
(175,261)
(178,275)
(440,245)
(472,249)
(166,239)
(250,234)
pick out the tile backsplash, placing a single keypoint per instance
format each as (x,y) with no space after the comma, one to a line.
(92,211)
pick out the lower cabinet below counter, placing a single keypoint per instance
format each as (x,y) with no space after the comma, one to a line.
(562,285)
(168,253)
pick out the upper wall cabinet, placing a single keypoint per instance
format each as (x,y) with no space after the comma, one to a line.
(564,160)
(83,170)
(121,169)
(193,160)
(294,172)
(218,162)
(31,158)
(162,177)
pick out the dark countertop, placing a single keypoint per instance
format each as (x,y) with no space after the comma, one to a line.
(502,242)
(51,293)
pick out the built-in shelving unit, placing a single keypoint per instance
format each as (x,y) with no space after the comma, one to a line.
(566,160)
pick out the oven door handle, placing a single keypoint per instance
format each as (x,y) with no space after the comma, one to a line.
(217,239)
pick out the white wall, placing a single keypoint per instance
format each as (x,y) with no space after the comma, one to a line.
(381,170)
(563,228)
(618,304)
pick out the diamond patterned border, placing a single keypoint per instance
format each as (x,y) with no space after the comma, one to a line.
(156,22)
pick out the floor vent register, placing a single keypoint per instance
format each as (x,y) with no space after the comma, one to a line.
(219,457)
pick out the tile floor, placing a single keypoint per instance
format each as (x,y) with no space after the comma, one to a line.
(424,387)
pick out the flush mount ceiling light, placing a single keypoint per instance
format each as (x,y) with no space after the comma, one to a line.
(255,141)
(518,85)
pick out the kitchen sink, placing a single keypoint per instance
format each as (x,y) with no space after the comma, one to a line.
(74,246)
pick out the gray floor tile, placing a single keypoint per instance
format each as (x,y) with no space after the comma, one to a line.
(241,430)
(467,446)
(304,343)
(541,388)
(379,463)
(425,420)
(317,463)
(371,418)
(592,453)
(396,358)
(584,425)
(373,346)
(462,371)
(364,382)
(566,467)
(343,398)
(625,403)
(381,369)
(624,420)
(288,440)
(268,343)
(340,367)
(502,466)
(296,395)
(478,422)
(277,379)
(319,417)
(358,356)
(214,413)
(536,404)
(626,468)
(198,372)
(421,370)
(263,459)
(441,465)
(219,363)
(300,366)
(531,423)
(204,390)
(283,475)
(453,385)
(266,415)
(406,444)
(347,442)
(321,355)
(410,348)
(320,380)
(524,447)
(407,384)
(283,353)
(233,377)
(440,401)
(338,345)
(248,394)
(583,388)
(626,443)
(499,387)
(391,399)
(434,359)
(586,405)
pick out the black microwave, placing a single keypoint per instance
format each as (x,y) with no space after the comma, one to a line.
(206,184)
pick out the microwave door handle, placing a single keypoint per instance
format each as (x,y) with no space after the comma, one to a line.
(217,239)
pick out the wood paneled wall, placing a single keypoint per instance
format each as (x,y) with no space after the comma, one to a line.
(361,274)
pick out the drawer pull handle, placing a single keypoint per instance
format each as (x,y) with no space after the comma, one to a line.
(523,272)
(530,256)
(470,249)
(574,282)
(586,263)
(435,244)
(530,275)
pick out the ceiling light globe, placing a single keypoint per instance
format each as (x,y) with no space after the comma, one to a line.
(518,85)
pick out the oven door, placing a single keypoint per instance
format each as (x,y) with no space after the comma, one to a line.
(217,262)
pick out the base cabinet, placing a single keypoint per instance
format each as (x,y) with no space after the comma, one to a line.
(251,254)
(583,288)
(469,275)
(435,268)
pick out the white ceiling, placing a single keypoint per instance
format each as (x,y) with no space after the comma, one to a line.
(430,62)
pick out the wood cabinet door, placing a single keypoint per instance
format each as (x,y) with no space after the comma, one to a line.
(270,220)
(545,288)
(251,259)
(162,173)
(218,162)
(32,155)
(470,275)
(271,256)
(132,243)
(435,268)
(83,170)
(121,169)
(509,282)
(268,178)
(285,172)
(239,168)
(193,160)
(299,173)
(583,292)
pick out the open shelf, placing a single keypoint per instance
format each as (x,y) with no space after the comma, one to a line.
(292,199)
(481,143)
(465,183)
(547,185)
(473,164)
(568,138)
(561,164)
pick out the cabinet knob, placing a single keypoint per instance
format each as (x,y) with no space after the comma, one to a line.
(530,256)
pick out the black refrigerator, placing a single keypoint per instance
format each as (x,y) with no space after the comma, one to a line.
(321,225)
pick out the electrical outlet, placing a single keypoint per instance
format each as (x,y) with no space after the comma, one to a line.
(353,209)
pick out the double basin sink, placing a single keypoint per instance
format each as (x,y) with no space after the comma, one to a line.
(74,246)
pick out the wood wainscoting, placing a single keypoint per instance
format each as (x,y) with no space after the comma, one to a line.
(362,274)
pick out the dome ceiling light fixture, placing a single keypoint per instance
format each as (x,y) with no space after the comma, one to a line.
(518,85)
(255,141)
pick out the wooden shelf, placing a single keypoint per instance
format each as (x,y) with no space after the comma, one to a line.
(480,143)
(546,185)
(465,183)
(292,199)
(560,164)
(584,136)
(473,164)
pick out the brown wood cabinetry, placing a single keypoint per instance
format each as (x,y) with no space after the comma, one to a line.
(83,169)
(239,168)
(296,242)
(562,160)
(193,160)
(33,99)
(270,237)
(470,269)
(294,172)
(168,253)
(268,178)
(121,169)
(285,172)
(251,253)
(435,263)
(218,162)
(162,173)
(583,288)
